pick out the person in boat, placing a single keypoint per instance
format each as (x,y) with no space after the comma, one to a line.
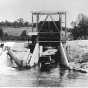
(23,63)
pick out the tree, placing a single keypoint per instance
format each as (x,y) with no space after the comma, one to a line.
(23,35)
(1,33)
(26,24)
(20,22)
(6,36)
(80,27)
(15,24)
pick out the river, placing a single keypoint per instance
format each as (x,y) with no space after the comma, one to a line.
(54,77)
(33,77)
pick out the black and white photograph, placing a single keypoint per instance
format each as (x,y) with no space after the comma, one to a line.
(44,43)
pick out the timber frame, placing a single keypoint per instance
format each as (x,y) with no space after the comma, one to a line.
(61,18)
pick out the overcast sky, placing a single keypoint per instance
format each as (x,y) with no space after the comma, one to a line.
(13,9)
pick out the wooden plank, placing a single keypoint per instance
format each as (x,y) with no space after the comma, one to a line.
(48,41)
(47,13)
(53,41)
(64,60)
(35,56)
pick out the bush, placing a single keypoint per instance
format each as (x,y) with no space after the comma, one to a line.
(23,35)
(80,29)
(1,33)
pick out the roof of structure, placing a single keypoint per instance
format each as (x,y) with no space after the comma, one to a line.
(48,12)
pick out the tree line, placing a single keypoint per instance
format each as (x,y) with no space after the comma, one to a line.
(80,27)
(17,23)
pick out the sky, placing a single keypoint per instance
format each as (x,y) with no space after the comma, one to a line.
(13,9)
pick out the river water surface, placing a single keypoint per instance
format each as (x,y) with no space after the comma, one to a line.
(55,77)
(33,77)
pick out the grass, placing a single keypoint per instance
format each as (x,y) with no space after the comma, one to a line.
(16,31)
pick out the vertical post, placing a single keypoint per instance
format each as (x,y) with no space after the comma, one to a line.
(37,21)
(67,47)
(32,22)
(60,26)
(37,26)
(65,28)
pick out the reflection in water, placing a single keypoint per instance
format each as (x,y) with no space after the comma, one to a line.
(34,77)
(72,75)
(51,77)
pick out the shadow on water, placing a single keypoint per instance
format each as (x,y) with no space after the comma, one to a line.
(34,77)
(50,76)
(59,77)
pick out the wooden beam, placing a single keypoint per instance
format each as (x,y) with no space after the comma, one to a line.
(49,41)
(37,20)
(32,22)
(65,26)
(54,23)
(48,13)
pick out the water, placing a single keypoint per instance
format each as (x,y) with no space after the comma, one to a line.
(56,77)
(33,77)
